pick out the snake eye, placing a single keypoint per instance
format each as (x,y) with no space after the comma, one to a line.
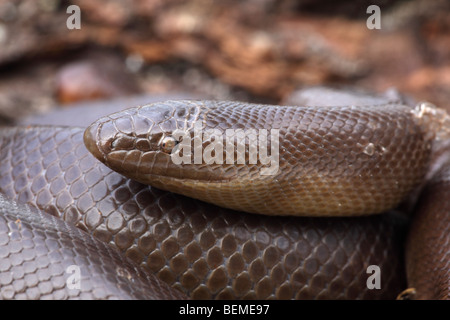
(167,144)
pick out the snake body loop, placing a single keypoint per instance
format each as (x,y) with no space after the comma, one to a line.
(43,257)
(428,243)
(205,251)
(332,161)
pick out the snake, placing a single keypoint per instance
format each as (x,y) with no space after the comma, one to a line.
(311,229)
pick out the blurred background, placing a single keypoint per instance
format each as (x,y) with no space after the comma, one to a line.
(254,50)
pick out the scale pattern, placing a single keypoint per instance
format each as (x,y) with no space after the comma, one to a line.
(203,250)
(40,256)
(333,161)
(428,245)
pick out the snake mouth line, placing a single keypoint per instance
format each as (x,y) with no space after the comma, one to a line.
(151,178)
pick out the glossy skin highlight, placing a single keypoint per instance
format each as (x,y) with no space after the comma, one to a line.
(50,168)
(332,160)
(205,251)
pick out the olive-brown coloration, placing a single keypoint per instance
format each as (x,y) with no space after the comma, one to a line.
(428,245)
(331,161)
(43,257)
(203,250)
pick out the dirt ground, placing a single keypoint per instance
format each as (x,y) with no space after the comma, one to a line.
(255,50)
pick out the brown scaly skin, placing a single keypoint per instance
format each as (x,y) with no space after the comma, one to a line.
(203,250)
(428,245)
(333,161)
(38,253)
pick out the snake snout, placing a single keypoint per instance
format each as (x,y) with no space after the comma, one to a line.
(90,141)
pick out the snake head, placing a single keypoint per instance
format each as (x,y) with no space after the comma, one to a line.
(143,143)
(362,160)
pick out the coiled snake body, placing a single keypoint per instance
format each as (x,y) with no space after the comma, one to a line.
(332,161)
